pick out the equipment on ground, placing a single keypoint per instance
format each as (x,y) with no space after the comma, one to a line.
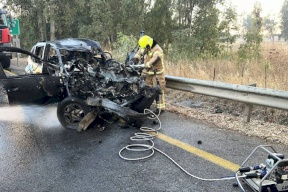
(271,176)
(5,37)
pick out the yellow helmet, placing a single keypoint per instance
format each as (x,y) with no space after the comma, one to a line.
(144,41)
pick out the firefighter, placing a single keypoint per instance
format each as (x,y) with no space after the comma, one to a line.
(154,70)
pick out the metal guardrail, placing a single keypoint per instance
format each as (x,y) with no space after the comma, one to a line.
(247,94)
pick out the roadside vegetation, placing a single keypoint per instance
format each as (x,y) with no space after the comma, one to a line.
(268,71)
(200,38)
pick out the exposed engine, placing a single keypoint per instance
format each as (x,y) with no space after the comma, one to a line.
(110,80)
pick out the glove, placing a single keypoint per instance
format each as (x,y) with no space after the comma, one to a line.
(147,65)
(135,60)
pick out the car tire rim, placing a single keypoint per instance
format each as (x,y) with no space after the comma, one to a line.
(73,113)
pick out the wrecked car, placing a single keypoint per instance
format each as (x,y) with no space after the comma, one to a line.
(86,82)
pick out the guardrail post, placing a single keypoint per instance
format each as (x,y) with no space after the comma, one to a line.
(247,112)
(248,109)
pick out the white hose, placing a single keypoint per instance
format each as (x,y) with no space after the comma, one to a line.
(148,134)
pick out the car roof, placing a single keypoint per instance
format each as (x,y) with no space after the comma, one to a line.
(74,44)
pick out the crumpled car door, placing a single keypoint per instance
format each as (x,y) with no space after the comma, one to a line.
(32,89)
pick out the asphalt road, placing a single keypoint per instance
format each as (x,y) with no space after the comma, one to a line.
(38,154)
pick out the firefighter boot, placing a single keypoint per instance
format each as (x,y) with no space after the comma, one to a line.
(160,104)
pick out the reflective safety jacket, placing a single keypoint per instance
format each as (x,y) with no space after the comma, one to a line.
(153,60)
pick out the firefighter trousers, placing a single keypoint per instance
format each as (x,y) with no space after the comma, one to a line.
(151,80)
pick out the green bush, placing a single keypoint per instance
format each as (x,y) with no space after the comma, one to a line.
(123,45)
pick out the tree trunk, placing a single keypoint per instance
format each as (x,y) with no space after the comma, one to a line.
(41,25)
(52,26)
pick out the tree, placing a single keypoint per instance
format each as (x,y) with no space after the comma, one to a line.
(284,20)
(270,25)
(205,31)
(158,22)
(196,33)
(184,12)
(48,19)
(227,26)
(187,27)
(253,36)
(247,23)
(66,17)
(112,16)
(133,16)
(31,20)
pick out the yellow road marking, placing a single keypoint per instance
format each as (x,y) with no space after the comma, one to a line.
(9,72)
(200,153)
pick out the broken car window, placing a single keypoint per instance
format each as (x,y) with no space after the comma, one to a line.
(39,51)
(34,66)
(53,58)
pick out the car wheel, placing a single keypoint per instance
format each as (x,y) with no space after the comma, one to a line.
(5,62)
(71,111)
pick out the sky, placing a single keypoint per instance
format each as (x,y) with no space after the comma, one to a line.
(271,7)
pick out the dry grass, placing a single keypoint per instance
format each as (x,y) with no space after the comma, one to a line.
(270,71)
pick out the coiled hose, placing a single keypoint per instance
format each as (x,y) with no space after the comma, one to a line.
(147,135)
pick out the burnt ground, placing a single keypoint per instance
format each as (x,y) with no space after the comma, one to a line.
(267,123)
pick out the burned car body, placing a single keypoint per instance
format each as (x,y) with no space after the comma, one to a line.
(84,80)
